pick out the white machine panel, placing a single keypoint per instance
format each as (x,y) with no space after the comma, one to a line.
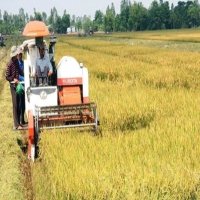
(42,96)
(68,67)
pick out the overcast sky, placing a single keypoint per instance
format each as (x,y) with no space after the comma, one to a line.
(77,7)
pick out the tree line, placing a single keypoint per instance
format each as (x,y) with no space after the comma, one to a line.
(133,16)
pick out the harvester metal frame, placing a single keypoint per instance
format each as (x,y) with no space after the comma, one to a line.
(65,113)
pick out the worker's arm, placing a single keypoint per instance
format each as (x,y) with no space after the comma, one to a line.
(10,74)
(21,78)
(50,68)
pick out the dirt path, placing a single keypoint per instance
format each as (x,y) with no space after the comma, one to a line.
(25,165)
(26,172)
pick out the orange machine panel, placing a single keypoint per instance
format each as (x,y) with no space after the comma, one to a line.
(70,95)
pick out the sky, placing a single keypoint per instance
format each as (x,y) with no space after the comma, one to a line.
(73,7)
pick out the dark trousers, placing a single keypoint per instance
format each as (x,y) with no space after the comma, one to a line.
(39,73)
(21,108)
(42,77)
(15,103)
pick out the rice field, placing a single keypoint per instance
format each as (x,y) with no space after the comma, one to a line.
(146,87)
(148,103)
(185,35)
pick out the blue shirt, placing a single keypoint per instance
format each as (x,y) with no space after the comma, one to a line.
(21,68)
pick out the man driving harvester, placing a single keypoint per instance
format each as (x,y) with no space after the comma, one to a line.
(43,67)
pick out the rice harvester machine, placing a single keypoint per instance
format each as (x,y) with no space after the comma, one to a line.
(63,101)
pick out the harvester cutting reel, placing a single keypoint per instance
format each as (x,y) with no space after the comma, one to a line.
(59,117)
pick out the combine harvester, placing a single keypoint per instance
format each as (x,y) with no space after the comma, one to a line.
(63,101)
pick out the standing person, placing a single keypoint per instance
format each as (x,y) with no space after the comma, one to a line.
(21,106)
(12,75)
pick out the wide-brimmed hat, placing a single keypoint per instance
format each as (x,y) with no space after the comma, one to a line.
(19,50)
(14,51)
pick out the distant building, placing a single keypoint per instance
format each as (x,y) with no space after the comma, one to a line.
(71,29)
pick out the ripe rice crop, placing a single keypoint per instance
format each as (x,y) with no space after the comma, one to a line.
(148,103)
(186,35)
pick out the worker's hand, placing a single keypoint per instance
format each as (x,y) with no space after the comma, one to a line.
(33,75)
(50,73)
(16,80)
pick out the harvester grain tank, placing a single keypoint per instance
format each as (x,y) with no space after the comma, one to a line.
(63,101)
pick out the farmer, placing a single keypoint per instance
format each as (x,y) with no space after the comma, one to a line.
(12,75)
(43,66)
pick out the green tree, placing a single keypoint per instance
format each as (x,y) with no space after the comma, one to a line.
(72,22)
(65,22)
(53,18)
(124,14)
(109,19)
(117,23)
(172,17)
(6,17)
(44,17)
(137,17)
(78,24)
(58,24)
(26,18)
(165,15)
(98,20)
(21,18)
(87,24)
(37,15)
(7,26)
(180,15)
(193,13)
(156,17)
